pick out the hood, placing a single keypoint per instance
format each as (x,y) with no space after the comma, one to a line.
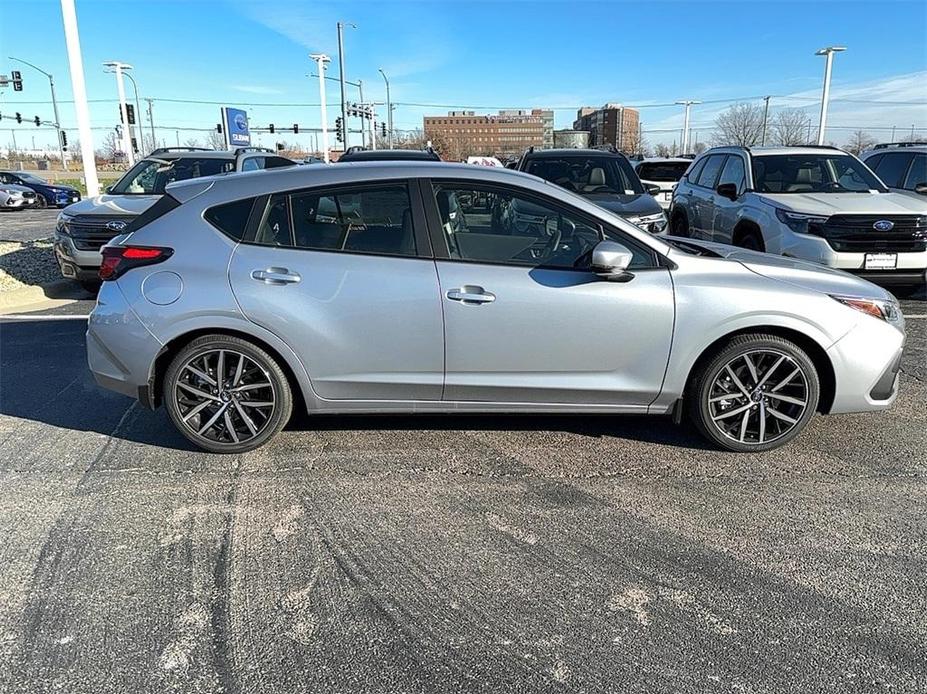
(800,273)
(55,188)
(15,186)
(848,203)
(626,205)
(114,205)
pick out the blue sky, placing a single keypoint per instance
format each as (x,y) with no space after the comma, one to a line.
(477,54)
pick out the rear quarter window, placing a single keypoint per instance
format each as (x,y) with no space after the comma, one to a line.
(231,218)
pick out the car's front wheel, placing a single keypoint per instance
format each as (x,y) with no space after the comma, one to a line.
(226,394)
(679,225)
(40,201)
(755,394)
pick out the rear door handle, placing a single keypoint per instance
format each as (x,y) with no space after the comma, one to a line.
(276,275)
(471,295)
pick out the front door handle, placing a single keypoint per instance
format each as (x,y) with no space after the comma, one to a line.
(469,294)
(276,275)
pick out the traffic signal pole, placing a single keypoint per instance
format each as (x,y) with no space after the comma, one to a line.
(51,83)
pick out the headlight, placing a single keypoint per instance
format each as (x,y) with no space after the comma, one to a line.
(10,191)
(884,309)
(62,224)
(800,223)
(653,223)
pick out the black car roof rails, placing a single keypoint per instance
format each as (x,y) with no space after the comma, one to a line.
(890,145)
(245,150)
(168,150)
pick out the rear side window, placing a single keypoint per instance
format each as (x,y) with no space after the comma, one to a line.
(917,174)
(231,218)
(662,171)
(692,176)
(893,167)
(164,205)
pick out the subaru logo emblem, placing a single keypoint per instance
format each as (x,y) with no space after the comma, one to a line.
(116,226)
(883,225)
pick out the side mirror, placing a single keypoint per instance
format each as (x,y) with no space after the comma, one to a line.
(727,190)
(921,188)
(610,261)
(652,189)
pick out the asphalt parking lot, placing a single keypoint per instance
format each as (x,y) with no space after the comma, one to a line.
(28,225)
(457,553)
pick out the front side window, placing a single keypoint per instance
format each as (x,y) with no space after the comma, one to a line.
(252,164)
(917,174)
(601,174)
(375,219)
(501,225)
(892,168)
(712,168)
(151,176)
(734,172)
(812,173)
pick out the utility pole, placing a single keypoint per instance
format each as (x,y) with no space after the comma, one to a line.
(360,92)
(177,135)
(389,111)
(344,103)
(51,83)
(15,146)
(121,90)
(828,54)
(322,59)
(765,118)
(76,65)
(154,142)
(685,130)
(893,133)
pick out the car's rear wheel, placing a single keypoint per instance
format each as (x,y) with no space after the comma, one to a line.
(757,393)
(680,225)
(226,394)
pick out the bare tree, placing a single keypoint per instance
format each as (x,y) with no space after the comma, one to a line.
(790,127)
(699,147)
(191,142)
(741,124)
(860,141)
(109,146)
(215,140)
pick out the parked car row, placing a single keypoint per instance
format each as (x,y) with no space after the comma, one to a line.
(20,190)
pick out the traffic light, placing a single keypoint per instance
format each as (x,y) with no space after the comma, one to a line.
(295,128)
(19,117)
(383,129)
(17,81)
(134,145)
(37,121)
(271,128)
(279,146)
(64,140)
(130,111)
(339,129)
(219,128)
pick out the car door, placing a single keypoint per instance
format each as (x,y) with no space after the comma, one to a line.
(526,320)
(344,276)
(703,195)
(724,210)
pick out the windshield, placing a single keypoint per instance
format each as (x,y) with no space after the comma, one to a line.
(151,176)
(586,175)
(662,171)
(29,178)
(812,173)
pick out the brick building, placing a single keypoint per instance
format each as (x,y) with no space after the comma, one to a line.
(506,134)
(613,124)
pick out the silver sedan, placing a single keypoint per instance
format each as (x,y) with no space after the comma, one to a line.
(407,287)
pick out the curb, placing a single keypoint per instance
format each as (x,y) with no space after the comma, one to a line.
(27,297)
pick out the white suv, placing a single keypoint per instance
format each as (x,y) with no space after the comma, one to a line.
(662,172)
(902,166)
(813,203)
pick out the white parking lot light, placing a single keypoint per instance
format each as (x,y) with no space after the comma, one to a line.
(828,54)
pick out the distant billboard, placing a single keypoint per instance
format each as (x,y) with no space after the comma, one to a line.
(235,127)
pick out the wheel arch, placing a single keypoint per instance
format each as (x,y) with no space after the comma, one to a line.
(288,362)
(746,226)
(815,352)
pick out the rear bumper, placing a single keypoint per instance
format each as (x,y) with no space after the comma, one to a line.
(120,350)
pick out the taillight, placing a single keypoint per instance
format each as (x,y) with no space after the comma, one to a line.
(117,260)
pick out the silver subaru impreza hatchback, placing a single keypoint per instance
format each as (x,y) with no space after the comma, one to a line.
(413,287)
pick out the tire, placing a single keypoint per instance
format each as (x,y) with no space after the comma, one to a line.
(751,240)
(775,405)
(680,225)
(90,286)
(908,290)
(229,419)
(40,201)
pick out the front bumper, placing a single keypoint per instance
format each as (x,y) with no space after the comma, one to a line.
(120,349)
(64,199)
(16,203)
(867,366)
(75,263)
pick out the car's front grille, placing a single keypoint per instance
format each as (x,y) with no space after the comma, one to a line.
(29,195)
(857,233)
(90,232)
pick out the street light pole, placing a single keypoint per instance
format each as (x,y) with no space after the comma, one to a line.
(389,110)
(51,83)
(685,129)
(154,142)
(344,103)
(828,54)
(79,89)
(139,123)
(360,93)
(321,59)
(765,118)
(120,88)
